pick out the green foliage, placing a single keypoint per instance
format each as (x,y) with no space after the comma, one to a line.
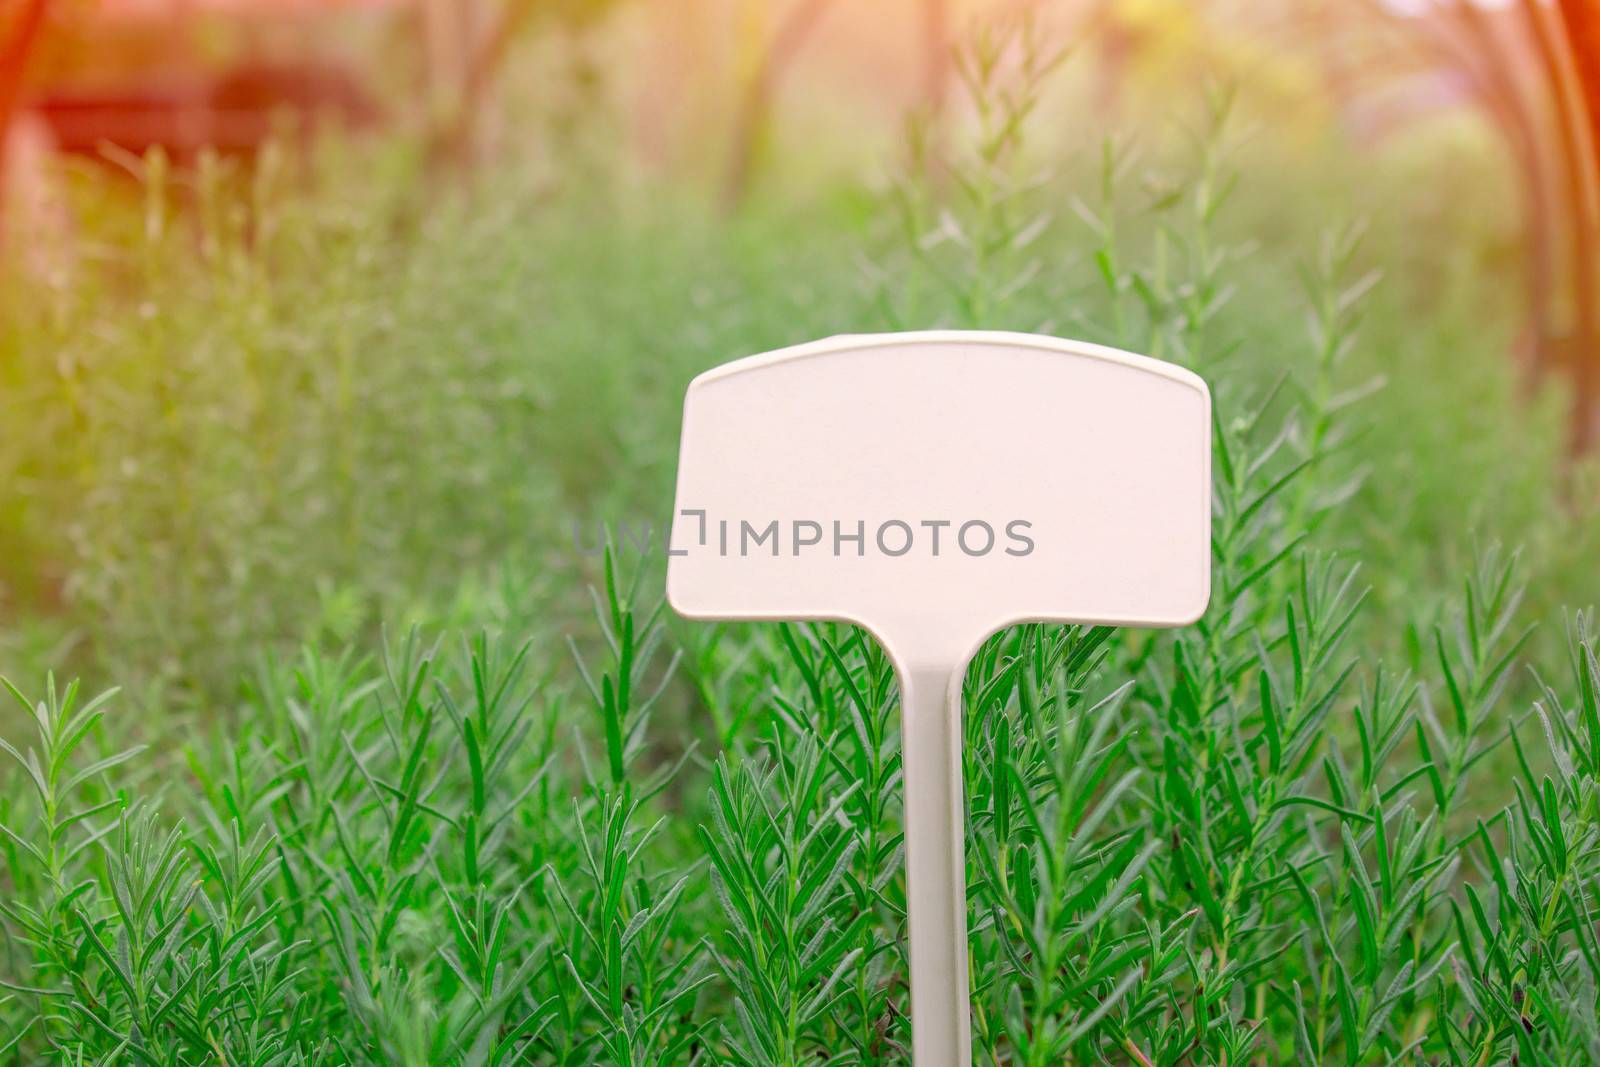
(1351,816)
(1248,848)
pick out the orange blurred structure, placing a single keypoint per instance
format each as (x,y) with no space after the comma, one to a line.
(136,74)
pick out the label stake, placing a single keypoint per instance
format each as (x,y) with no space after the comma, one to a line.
(934,488)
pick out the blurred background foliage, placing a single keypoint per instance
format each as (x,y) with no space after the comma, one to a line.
(435,298)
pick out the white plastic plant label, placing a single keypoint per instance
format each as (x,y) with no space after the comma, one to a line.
(934,488)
